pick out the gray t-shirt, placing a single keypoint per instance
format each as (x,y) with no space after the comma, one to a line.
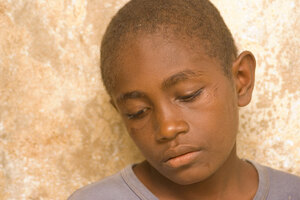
(273,185)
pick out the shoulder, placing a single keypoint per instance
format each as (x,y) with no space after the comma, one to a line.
(279,184)
(112,187)
(283,181)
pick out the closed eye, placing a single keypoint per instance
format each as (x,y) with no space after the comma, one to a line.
(190,97)
(137,115)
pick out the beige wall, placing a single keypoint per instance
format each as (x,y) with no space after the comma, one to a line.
(57,129)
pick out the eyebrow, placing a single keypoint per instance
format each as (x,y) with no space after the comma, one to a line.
(169,82)
(180,76)
(130,95)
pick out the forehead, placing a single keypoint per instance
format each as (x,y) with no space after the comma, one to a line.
(166,37)
(161,47)
(154,58)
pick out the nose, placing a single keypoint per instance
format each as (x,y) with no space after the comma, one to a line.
(170,123)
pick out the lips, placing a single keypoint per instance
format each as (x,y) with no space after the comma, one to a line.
(181,156)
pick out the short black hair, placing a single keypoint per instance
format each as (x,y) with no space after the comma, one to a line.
(192,20)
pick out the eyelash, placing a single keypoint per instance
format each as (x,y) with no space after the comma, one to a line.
(139,114)
(187,98)
(190,97)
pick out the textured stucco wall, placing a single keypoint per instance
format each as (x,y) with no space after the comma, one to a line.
(57,129)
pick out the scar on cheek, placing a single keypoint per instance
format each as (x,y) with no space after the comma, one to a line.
(214,91)
(211,93)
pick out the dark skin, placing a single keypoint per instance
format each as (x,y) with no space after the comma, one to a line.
(181,110)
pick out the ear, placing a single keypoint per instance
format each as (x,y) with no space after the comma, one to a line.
(243,71)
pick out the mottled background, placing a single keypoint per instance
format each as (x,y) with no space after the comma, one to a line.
(57,129)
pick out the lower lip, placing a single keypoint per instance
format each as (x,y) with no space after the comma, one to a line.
(182,160)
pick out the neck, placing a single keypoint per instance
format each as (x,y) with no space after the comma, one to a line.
(231,178)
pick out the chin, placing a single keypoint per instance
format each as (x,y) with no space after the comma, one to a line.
(189,176)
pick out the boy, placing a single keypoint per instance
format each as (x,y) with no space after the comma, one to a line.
(172,71)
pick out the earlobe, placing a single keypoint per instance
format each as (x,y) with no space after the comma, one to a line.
(243,71)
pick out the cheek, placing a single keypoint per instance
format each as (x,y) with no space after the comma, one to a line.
(143,137)
(215,123)
(225,133)
(138,125)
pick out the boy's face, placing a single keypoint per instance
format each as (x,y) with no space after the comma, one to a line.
(178,106)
